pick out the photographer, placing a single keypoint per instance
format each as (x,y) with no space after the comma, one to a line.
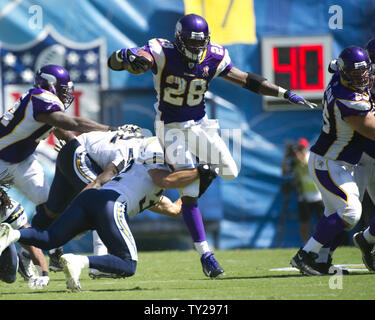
(309,198)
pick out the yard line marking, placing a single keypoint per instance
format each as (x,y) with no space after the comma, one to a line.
(349,267)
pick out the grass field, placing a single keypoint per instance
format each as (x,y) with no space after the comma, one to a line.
(167,275)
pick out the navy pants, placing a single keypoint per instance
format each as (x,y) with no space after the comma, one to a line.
(100,210)
(67,182)
(9,264)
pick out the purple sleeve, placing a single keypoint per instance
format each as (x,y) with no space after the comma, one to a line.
(42,105)
(226,70)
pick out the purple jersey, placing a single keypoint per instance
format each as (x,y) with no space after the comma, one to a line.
(181,85)
(20,133)
(338,140)
(370,144)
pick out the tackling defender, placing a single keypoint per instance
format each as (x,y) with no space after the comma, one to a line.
(90,158)
(182,70)
(107,210)
(347,120)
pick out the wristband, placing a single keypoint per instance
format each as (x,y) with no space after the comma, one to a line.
(44,273)
(281,93)
(112,128)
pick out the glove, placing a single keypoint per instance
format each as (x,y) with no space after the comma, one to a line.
(137,63)
(39,282)
(130,128)
(128,131)
(59,144)
(294,98)
(207,174)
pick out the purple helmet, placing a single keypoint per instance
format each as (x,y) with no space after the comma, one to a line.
(355,67)
(55,79)
(192,36)
(370,48)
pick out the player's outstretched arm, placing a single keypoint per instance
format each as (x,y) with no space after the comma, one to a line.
(172,180)
(62,120)
(262,86)
(36,254)
(108,173)
(134,60)
(166,207)
(64,135)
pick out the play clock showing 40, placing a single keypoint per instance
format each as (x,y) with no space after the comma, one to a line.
(297,63)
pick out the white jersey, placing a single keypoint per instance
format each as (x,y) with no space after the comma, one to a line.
(110,146)
(15,215)
(135,184)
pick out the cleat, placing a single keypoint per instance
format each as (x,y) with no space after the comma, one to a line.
(329,268)
(7,236)
(96,274)
(26,267)
(367,257)
(211,267)
(54,264)
(305,263)
(72,268)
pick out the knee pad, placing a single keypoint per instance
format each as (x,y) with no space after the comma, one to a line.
(192,190)
(351,216)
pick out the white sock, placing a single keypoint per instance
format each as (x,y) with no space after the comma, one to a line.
(15,235)
(202,247)
(84,260)
(99,248)
(368,236)
(323,255)
(312,246)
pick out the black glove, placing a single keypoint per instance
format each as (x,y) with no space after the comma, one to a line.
(137,62)
(207,174)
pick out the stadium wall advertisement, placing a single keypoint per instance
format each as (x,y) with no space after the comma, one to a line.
(275,38)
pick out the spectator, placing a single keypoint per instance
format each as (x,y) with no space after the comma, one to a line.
(309,198)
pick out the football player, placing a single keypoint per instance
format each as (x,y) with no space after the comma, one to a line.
(365,240)
(90,158)
(347,120)
(13,213)
(29,121)
(182,70)
(107,211)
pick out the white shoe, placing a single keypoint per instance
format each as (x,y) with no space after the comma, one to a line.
(72,267)
(7,236)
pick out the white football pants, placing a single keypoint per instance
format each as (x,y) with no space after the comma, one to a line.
(28,177)
(341,186)
(187,143)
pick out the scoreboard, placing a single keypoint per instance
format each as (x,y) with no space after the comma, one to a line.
(296,63)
